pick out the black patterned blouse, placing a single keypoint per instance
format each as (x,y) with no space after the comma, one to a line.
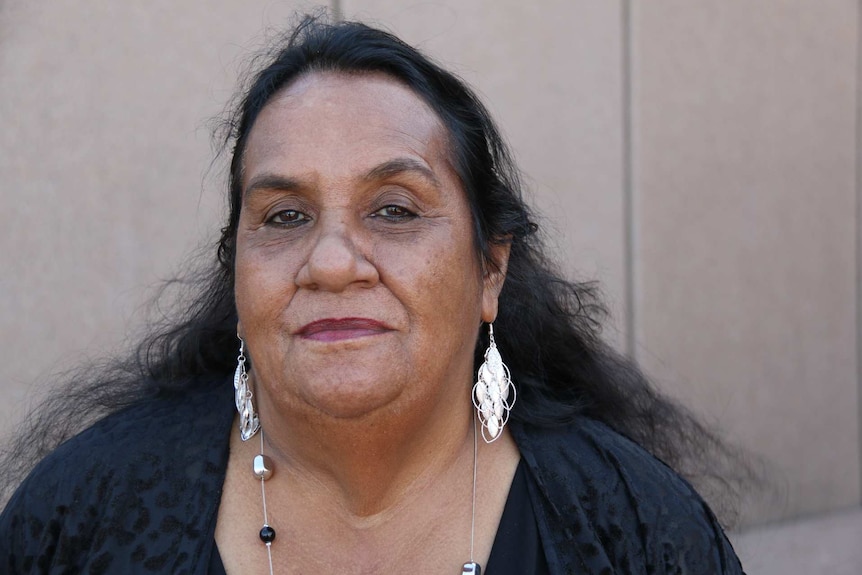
(138,493)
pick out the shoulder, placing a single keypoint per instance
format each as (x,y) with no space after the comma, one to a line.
(591,454)
(609,502)
(139,473)
(136,443)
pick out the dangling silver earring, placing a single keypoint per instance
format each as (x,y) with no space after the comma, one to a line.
(248,420)
(491,392)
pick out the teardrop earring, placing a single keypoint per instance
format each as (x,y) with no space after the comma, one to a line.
(248,420)
(492,391)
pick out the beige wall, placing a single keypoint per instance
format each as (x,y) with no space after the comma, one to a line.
(697,158)
(744,149)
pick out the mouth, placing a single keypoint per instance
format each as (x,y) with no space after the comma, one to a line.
(338,329)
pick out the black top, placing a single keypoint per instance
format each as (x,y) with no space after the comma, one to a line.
(517,549)
(138,494)
(517,546)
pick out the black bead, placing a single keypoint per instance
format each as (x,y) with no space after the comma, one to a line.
(267,534)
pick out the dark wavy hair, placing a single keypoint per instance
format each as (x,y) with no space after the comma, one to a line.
(547,327)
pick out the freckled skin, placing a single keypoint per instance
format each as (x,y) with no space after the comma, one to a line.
(397,248)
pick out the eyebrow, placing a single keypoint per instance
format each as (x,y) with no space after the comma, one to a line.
(388,169)
(273,182)
(398,166)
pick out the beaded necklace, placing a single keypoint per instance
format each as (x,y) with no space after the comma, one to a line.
(262,469)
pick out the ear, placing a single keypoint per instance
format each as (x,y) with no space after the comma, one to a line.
(493,278)
(240,333)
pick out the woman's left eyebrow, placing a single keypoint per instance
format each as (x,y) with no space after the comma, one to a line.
(270,181)
(399,166)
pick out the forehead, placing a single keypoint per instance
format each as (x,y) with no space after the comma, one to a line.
(344,119)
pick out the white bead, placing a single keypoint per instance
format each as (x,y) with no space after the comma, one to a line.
(494,391)
(503,390)
(481,392)
(493,427)
(262,467)
(493,359)
(498,410)
(486,410)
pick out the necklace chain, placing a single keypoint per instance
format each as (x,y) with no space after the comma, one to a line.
(263,470)
(266,526)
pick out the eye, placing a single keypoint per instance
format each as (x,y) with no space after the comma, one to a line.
(393,212)
(288,218)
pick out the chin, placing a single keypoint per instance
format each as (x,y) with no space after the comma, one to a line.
(351,399)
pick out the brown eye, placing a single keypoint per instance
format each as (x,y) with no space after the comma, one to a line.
(288,218)
(394,213)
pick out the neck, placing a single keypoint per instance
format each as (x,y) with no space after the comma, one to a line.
(421,516)
(371,464)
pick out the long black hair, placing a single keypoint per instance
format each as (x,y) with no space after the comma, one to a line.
(547,327)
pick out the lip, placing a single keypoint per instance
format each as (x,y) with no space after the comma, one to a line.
(338,329)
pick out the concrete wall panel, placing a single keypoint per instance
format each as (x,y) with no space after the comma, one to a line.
(744,163)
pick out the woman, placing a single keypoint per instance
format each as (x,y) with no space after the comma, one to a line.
(377,255)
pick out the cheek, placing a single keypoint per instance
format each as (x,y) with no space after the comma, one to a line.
(244,272)
(440,284)
(262,285)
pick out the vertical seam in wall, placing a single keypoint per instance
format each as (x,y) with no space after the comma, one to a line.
(628,183)
(337,10)
(858,259)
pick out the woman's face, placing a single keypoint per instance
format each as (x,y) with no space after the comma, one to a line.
(358,284)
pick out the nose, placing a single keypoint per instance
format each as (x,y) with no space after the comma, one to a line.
(334,260)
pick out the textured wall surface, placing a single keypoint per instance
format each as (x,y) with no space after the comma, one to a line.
(744,147)
(699,159)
